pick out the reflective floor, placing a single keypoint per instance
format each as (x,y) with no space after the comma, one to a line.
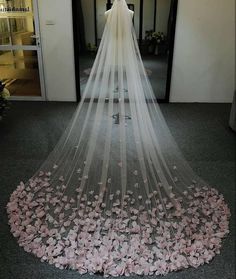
(19,71)
(155,65)
(31,130)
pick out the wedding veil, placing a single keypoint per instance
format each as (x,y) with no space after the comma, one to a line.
(116,196)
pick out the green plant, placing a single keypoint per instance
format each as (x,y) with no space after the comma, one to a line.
(155,38)
(91,48)
(4,99)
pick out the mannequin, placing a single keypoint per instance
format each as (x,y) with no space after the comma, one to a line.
(108,12)
(117,116)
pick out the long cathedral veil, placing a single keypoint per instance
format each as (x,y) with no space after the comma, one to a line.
(115,196)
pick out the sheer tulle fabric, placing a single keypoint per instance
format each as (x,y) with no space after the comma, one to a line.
(115,196)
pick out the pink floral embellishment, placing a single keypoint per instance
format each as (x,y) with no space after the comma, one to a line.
(116,234)
(61,178)
(41,173)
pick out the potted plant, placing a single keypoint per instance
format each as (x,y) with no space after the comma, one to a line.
(4,100)
(91,48)
(149,41)
(154,40)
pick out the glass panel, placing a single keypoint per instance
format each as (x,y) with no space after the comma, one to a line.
(4,32)
(16,22)
(101,20)
(148,16)
(19,71)
(155,46)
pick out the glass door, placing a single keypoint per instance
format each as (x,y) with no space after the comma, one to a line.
(21,67)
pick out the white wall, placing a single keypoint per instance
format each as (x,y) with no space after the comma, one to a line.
(148,15)
(204,56)
(163,12)
(58,51)
(101,9)
(136,4)
(89,26)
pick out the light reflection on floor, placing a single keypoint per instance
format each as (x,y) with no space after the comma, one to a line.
(155,65)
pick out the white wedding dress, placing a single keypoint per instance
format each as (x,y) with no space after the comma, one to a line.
(115,196)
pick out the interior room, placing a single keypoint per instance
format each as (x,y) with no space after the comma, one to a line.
(154,23)
(117,139)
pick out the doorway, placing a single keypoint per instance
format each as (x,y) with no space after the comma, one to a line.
(21,65)
(154,22)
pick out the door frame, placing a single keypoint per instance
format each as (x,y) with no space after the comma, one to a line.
(38,48)
(173,22)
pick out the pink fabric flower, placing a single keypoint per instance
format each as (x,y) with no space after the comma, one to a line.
(129,238)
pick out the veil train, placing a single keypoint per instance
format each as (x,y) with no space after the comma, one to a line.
(115,196)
